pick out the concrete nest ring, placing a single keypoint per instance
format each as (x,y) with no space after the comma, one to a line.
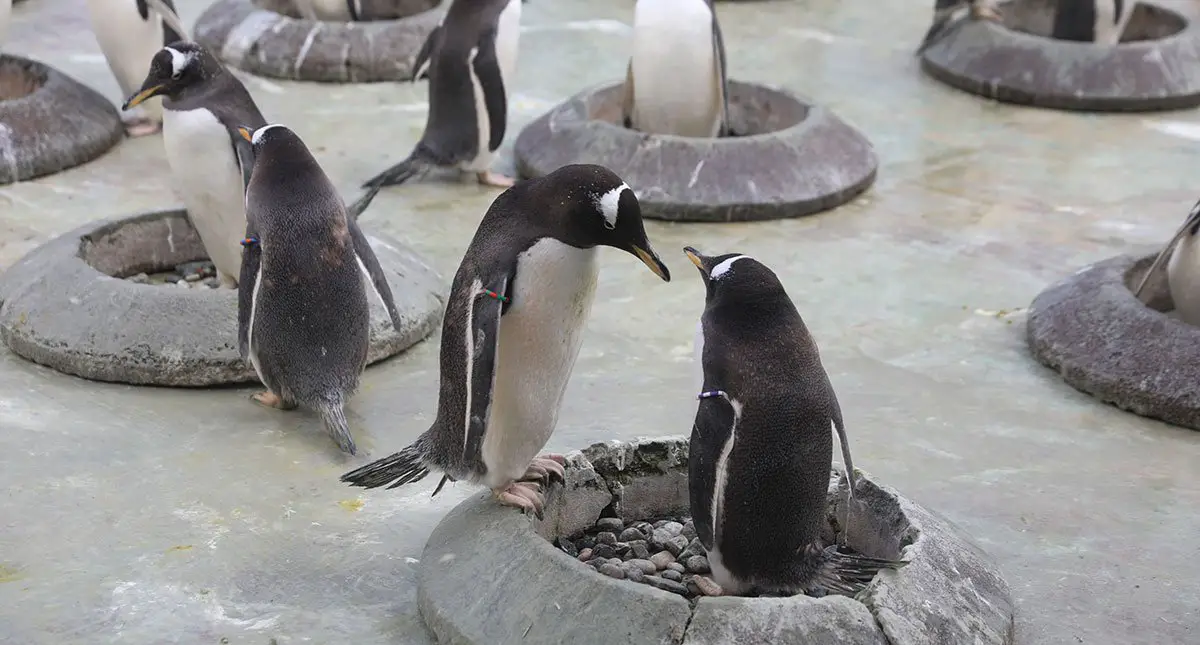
(1107,343)
(266,37)
(49,122)
(1156,66)
(789,157)
(491,575)
(66,306)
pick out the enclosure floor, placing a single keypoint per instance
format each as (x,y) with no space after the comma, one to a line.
(139,515)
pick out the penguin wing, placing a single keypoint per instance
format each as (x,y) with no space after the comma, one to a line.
(370,263)
(173,29)
(247,282)
(1189,227)
(469,353)
(487,70)
(719,72)
(627,96)
(715,421)
(243,151)
(428,49)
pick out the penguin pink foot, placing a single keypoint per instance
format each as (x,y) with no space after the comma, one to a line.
(142,126)
(983,11)
(545,469)
(269,399)
(526,496)
(488,178)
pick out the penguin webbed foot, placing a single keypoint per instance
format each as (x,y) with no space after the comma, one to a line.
(546,470)
(269,399)
(141,127)
(526,496)
(489,178)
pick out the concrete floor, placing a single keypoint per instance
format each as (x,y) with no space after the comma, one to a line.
(142,515)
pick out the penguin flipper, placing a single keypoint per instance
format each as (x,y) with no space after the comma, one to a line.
(244,152)
(714,425)
(1189,227)
(720,73)
(251,260)
(370,263)
(173,29)
(487,70)
(484,304)
(425,55)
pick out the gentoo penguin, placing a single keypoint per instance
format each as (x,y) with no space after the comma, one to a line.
(203,106)
(1183,270)
(761,448)
(1098,21)
(130,33)
(513,325)
(944,11)
(303,316)
(470,60)
(675,81)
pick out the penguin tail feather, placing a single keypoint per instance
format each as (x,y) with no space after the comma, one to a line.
(849,574)
(404,467)
(334,419)
(399,173)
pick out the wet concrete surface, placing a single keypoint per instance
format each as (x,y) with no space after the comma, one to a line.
(139,515)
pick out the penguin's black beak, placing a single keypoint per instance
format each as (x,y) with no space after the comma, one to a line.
(650,259)
(697,259)
(147,91)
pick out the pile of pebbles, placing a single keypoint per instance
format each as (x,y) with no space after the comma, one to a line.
(665,554)
(188,275)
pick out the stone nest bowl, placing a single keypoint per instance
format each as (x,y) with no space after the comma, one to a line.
(1156,66)
(790,157)
(1107,343)
(66,306)
(490,574)
(49,122)
(266,37)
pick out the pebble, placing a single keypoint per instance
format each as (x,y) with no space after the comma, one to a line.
(631,535)
(584,555)
(634,574)
(646,566)
(140,278)
(674,528)
(612,570)
(212,283)
(671,574)
(697,564)
(612,524)
(183,284)
(662,559)
(604,551)
(645,527)
(586,542)
(607,537)
(661,523)
(665,585)
(568,547)
(689,530)
(192,277)
(659,538)
(639,549)
(706,586)
(675,566)
(676,545)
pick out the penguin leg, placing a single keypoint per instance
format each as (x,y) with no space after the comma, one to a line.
(141,126)
(489,178)
(523,495)
(270,399)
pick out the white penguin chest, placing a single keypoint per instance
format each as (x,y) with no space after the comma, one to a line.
(676,86)
(1108,25)
(208,178)
(1183,278)
(128,42)
(539,341)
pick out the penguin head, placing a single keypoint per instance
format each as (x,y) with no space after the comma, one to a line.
(601,210)
(173,70)
(736,278)
(277,146)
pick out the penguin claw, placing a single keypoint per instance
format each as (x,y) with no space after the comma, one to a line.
(526,496)
(269,399)
(489,178)
(141,127)
(546,469)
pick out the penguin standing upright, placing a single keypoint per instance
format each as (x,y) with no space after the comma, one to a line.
(303,313)
(1183,269)
(675,82)
(512,329)
(944,11)
(210,162)
(470,60)
(1097,21)
(761,448)
(130,33)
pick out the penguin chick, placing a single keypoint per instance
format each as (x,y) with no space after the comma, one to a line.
(303,314)
(944,11)
(210,163)
(761,448)
(1183,269)
(469,60)
(512,329)
(675,82)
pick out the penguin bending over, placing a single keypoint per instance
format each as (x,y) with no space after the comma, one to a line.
(203,106)
(675,82)
(513,325)
(303,313)
(944,11)
(761,448)
(1183,270)
(470,60)
(130,33)
(1098,21)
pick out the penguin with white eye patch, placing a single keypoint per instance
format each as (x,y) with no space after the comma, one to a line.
(512,330)
(761,447)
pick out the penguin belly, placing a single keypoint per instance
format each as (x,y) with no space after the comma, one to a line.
(1183,279)
(674,62)
(209,180)
(129,44)
(1109,26)
(539,341)
(508,35)
(323,9)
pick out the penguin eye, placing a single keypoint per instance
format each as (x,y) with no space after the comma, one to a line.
(176,75)
(610,225)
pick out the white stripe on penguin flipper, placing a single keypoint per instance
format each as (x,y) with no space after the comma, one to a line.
(370,283)
(723,268)
(250,332)
(475,290)
(610,204)
(722,471)
(483,121)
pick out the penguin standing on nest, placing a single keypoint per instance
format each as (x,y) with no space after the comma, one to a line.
(130,33)
(1091,21)
(761,446)
(470,60)
(1183,270)
(675,82)
(513,326)
(945,10)
(303,312)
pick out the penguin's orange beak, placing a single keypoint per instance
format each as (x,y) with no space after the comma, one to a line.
(651,260)
(141,96)
(696,258)
(246,134)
